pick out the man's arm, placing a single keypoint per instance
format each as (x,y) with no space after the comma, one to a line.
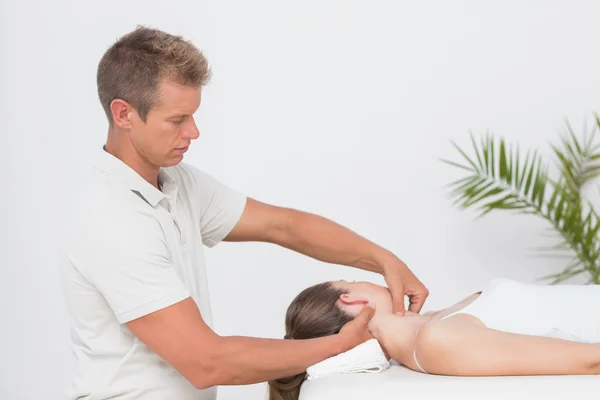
(180,336)
(308,234)
(327,241)
(458,347)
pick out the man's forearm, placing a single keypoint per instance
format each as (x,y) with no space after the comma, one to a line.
(245,360)
(326,240)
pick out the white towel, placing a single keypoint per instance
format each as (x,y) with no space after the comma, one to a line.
(560,334)
(367,357)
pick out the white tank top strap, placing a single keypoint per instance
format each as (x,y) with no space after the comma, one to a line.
(453,313)
(417,362)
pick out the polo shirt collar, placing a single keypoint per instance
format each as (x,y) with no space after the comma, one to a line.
(126,175)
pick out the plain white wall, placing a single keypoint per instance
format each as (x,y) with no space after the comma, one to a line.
(341,108)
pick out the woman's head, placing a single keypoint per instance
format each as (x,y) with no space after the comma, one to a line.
(313,313)
(358,295)
(322,310)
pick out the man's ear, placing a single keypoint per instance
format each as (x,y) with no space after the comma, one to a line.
(351,300)
(121,113)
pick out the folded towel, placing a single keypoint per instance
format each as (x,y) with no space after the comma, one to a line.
(367,357)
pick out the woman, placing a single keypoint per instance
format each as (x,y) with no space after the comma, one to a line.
(508,328)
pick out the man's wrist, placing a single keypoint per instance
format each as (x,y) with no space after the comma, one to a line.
(343,343)
(388,261)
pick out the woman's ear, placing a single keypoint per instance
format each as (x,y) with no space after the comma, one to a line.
(351,300)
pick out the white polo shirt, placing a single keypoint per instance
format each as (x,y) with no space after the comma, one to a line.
(133,250)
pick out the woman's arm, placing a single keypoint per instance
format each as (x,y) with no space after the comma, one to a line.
(456,346)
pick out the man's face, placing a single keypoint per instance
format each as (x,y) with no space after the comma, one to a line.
(170,126)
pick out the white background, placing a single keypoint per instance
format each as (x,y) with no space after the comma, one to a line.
(326,106)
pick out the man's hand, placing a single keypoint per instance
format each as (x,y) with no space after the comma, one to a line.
(402,282)
(357,331)
(324,240)
(179,335)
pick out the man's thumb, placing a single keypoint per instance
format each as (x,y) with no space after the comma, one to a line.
(366,314)
(399,307)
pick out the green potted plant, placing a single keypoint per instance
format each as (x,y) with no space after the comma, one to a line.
(500,177)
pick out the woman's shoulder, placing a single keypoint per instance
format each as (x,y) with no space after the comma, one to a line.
(440,341)
(439,334)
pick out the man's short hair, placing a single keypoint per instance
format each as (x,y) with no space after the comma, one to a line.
(133,67)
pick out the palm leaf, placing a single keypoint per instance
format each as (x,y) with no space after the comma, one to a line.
(499,181)
(499,177)
(578,161)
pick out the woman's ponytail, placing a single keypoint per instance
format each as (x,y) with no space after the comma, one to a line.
(286,388)
(313,313)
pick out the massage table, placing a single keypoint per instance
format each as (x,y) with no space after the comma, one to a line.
(399,382)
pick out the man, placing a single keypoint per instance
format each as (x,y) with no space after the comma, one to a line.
(133,270)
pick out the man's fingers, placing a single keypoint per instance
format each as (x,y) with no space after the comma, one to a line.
(398,307)
(398,302)
(365,315)
(417,300)
(416,305)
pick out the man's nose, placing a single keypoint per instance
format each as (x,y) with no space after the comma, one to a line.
(191,131)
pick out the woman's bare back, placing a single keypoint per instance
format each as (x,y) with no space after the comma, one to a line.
(451,342)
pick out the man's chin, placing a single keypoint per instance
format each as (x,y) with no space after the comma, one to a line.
(172,161)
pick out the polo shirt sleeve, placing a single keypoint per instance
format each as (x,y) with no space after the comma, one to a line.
(125,256)
(220,207)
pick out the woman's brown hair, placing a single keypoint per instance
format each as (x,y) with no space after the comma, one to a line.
(313,313)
